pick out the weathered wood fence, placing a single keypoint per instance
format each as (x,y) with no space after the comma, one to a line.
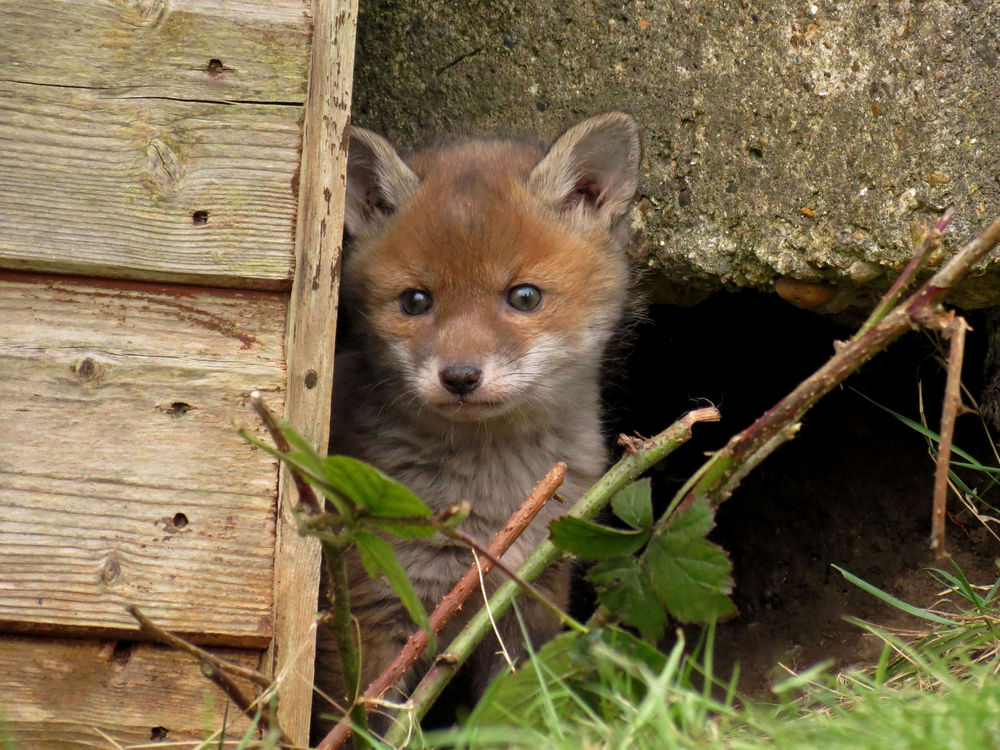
(171,189)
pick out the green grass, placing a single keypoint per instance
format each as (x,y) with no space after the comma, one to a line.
(939,690)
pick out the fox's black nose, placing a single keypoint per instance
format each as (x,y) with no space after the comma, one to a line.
(461,379)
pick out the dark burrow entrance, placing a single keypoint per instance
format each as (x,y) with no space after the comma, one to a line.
(853,489)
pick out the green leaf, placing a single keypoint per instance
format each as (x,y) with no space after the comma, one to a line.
(379,558)
(307,465)
(574,674)
(634,504)
(293,459)
(521,694)
(376,493)
(407,528)
(594,542)
(303,451)
(624,588)
(689,574)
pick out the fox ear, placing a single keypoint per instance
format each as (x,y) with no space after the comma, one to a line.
(593,165)
(378,183)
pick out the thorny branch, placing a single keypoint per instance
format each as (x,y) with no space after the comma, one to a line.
(175,641)
(495,561)
(215,669)
(929,242)
(640,456)
(717,478)
(350,659)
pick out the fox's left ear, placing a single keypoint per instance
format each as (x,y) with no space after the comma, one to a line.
(594,164)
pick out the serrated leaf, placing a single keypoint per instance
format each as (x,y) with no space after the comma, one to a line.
(689,574)
(378,494)
(634,504)
(379,558)
(624,588)
(593,542)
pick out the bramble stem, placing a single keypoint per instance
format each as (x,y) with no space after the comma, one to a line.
(350,663)
(641,455)
(719,476)
(453,601)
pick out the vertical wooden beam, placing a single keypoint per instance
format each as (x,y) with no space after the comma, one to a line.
(312,316)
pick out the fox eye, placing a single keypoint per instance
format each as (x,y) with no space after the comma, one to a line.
(415,301)
(524,297)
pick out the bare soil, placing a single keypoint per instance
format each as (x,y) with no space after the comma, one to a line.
(854,489)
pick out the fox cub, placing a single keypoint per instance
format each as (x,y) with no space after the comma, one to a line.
(482,287)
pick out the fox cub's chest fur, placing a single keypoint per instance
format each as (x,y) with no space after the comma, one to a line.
(484,283)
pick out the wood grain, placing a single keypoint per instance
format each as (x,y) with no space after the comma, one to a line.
(311,330)
(57,694)
(155,48)
(121,476)
(147,189)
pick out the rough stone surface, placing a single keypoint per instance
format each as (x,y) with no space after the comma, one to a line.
(782,139)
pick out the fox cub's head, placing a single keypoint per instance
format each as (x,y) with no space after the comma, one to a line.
(491,275)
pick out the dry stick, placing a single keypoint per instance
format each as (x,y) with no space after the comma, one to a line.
(215,669)
(955,328)
(307,497)
(454,600)
(495,561)
(171,639)
(637,459)
(243,702)
(719,476)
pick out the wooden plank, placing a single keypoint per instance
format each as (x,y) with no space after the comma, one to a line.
(60,695)
(121,476)
(158,190)
(312,322)
(161,49)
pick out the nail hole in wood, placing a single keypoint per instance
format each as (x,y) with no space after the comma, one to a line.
(311,378)
(215,67)
(180,520)
(179,409)
(199,218)
(122,653)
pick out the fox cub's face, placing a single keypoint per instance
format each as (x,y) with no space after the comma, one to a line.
(490,275)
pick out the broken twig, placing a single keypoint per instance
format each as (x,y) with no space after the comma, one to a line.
(954,329)
(215,669)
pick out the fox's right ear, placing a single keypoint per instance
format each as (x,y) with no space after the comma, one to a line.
(593,167)
(378,183)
